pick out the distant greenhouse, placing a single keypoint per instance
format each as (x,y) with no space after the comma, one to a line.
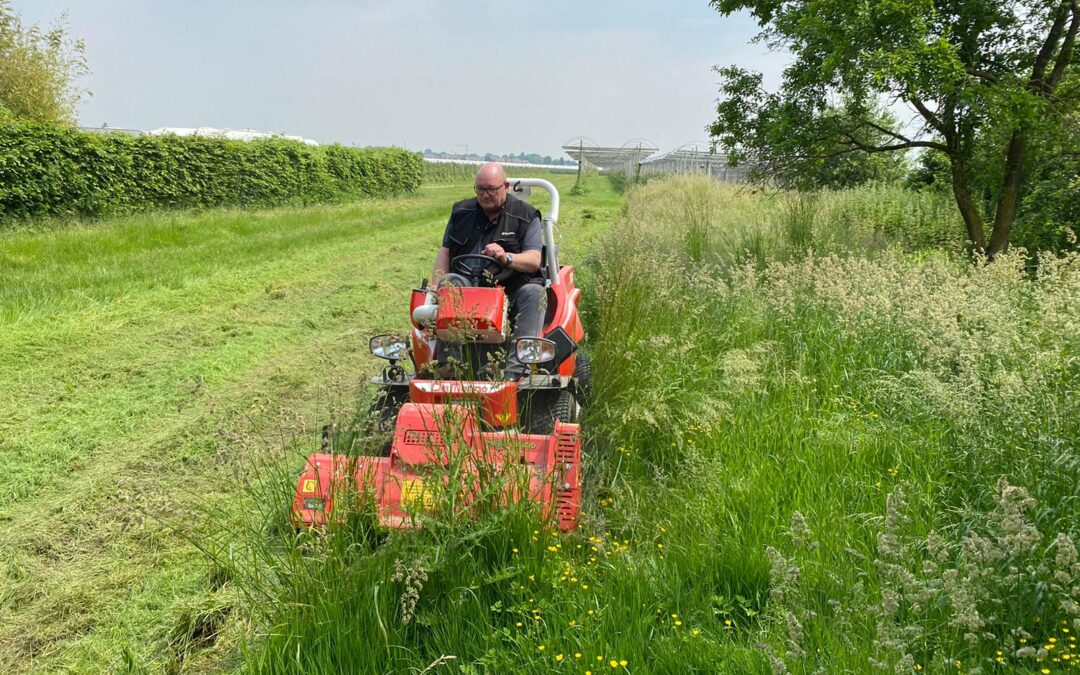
(639,157)
(695,158)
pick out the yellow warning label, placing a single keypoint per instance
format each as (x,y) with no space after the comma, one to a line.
(309,485)
(415,496)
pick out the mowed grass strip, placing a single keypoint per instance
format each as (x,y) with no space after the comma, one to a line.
(126,346)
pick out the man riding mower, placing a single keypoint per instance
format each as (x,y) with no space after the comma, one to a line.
(466,402)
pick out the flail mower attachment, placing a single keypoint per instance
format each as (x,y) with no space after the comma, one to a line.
(439,447)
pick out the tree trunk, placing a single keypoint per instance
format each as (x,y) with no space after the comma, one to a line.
(968,210)
(1010,194)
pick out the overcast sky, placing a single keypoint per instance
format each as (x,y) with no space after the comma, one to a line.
(495,75)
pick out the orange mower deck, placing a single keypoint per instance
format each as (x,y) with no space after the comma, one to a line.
(497,466)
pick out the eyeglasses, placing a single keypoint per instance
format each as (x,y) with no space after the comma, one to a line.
(482,189)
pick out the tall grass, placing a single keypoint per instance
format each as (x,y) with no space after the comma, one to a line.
(816,446)
(867,457)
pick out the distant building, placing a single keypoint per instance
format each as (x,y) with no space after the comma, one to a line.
(229,134)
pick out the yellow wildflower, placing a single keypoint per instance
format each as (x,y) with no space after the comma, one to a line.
(613,663)
(559,657)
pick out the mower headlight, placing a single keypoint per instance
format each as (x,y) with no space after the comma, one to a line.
(389,347)
(535,350)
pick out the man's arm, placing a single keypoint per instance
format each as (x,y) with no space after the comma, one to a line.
(442,263)
(530,259)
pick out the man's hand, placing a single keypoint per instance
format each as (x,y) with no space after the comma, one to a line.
(495,251)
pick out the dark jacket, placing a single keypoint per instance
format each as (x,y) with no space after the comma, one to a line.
(469,231)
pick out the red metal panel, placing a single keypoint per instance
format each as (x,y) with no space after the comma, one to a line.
(497,400)
(471,315)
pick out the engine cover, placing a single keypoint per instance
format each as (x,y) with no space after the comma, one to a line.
(472,315)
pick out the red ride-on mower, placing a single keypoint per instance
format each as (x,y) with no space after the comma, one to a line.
(459,424)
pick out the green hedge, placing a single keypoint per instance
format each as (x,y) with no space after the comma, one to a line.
(55,171)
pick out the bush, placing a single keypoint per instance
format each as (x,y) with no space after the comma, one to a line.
(47,170)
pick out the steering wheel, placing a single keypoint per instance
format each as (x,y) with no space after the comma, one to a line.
(477,266)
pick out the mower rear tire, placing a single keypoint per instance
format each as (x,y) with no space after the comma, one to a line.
(583,379)
(544,407)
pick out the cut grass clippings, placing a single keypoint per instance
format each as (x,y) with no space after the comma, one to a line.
(147,363)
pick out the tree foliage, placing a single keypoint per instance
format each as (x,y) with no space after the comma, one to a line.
(982,78)
(796,148)
(39,69)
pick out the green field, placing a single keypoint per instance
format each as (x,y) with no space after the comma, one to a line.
(145,365)
(822,441)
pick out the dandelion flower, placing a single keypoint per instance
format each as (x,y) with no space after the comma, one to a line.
(577,655)
(678,623)
(540,648)
(559,657)
(696,632)
(623,663)
(727,622)
(613,663)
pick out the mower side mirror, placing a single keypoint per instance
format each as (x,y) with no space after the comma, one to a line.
(389,347)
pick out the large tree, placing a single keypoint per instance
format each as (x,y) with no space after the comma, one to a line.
(39,69)
(976,74)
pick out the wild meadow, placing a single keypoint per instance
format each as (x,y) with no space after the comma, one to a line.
(822,439)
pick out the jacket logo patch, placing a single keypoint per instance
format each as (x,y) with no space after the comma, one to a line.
(507,234)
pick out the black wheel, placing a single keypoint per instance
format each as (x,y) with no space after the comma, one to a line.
(583,379)
(544,407)
(376,427)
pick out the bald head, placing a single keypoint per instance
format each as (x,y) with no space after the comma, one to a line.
(491,188)
(491,173)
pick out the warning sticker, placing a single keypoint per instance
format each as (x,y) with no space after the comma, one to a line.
(309,485)
(415,496)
